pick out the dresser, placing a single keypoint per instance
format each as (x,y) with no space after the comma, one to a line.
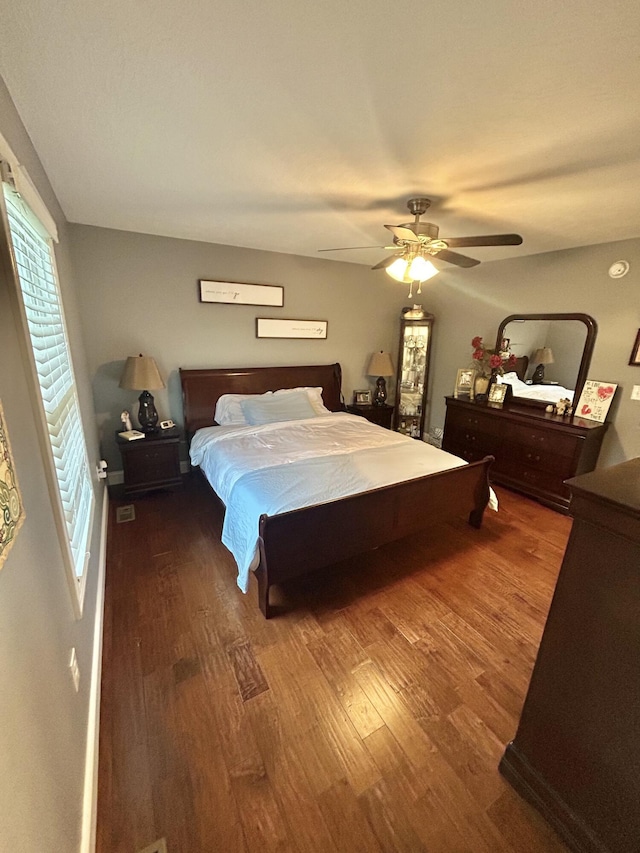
(576,754)
(535,452)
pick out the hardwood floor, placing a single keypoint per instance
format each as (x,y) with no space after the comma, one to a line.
(370,716)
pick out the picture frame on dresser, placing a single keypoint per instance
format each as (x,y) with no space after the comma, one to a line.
(498,393)
(465,380)
(362,398)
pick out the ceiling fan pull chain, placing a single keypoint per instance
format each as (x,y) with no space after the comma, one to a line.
(410,289)
(419,287)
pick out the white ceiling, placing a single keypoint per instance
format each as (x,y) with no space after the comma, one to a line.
(292,125)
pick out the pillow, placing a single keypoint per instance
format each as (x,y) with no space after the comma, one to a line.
(314,395)
(274,408)
(228,410)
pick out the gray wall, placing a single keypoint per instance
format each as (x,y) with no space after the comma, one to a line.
(140,294)
(474,301)
(43,721)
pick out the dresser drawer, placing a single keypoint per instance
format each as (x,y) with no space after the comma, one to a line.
(531,479)
(537,439)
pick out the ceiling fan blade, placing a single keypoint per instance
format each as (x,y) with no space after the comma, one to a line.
(387,261)
(455,258)
(404,234)
(487,240)
(351,248)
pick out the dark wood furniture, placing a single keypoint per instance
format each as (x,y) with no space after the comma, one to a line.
(298,542)
(576,754)
(152,462)
(413,374)
(535,452)
(380,415)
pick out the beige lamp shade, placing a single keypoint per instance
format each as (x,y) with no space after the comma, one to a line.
(380,365)
(141,374)
(544,355)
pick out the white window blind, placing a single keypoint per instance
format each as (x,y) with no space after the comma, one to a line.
(45,322)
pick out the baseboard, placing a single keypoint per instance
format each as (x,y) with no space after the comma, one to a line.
(90,798)
(535,790)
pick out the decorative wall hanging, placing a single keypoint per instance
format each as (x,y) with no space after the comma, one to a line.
(11,508)
(232,293)
(635,352)
(268,328)
(595,400)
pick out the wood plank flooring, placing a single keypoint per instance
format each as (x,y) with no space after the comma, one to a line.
(370,716)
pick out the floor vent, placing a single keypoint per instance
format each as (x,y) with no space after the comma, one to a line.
(157,847)
(127,513)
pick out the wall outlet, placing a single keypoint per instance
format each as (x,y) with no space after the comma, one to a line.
(75,669)
(635,392)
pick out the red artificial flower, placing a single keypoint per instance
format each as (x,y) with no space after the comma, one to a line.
(495,361)
(476,343)
(478,355)
(512,360)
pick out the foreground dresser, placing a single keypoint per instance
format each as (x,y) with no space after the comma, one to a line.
(576,754)
(535,452)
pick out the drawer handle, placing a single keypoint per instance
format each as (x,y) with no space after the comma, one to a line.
(531,456)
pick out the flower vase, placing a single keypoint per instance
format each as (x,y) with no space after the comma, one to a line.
(481,386)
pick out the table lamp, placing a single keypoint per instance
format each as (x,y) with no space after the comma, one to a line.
(541,357)
(380,365)
(141,374)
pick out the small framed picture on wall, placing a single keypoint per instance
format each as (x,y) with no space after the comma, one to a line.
(635,352)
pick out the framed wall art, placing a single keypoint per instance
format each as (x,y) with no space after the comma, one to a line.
(635,352)
(234,293)
(269,328)
(11,508)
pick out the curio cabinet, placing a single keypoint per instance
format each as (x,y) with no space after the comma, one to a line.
(413,372)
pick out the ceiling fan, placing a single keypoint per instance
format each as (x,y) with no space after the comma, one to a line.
(415,242)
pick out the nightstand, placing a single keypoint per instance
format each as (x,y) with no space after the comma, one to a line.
(380,415)
(152,462)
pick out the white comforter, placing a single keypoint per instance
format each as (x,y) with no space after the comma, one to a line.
(545,393)
(283,466)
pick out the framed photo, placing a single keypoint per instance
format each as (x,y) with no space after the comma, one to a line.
(465,379)
(269,328)
(635,352)
(595,400)
(497,393)
(233,293)
(362,398)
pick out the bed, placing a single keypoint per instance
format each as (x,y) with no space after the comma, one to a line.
(303,539)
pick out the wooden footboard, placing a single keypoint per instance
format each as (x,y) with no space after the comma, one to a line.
(303,540)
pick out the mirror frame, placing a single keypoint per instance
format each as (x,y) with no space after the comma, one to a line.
(587,352)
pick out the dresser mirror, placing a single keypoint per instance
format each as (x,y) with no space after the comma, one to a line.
(553,353)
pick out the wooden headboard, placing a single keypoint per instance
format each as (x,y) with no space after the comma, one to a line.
(521,366)
(202,388)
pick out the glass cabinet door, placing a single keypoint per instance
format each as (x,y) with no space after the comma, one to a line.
(412,376)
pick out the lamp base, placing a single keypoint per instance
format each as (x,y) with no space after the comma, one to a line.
(538,375)
(147,414)
(380,394)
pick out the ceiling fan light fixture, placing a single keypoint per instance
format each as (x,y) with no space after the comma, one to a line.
(421,269)
(398,269)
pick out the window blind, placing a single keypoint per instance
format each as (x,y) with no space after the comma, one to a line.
(45,322)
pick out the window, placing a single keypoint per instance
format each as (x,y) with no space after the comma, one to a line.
(44,319)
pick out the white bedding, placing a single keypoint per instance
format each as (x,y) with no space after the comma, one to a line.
(546,393)
(278,467)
